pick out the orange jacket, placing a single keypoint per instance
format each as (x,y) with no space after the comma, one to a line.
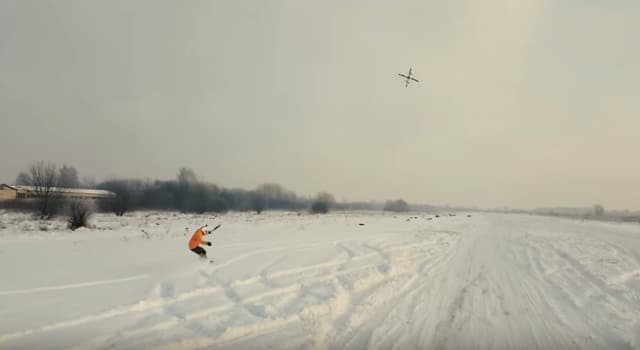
(196,239)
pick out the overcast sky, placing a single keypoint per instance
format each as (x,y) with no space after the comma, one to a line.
(520,103)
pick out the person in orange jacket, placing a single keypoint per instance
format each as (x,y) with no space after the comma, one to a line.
(197,240)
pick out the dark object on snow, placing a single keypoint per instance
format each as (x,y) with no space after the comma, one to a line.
(79,214)
(200,251)
(360,224)
(468,215)
(437,215)
(429,218)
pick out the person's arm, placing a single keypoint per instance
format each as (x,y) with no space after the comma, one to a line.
(205,232)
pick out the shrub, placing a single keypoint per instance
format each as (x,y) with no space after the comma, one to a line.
(79,213)
(598,210)
(258,202)
(318,207)
(322,203)
(398,205)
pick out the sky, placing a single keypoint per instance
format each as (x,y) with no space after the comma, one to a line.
(525,104)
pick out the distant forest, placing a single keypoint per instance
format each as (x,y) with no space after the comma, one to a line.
(189,194)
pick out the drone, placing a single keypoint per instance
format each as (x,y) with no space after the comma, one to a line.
(408,78)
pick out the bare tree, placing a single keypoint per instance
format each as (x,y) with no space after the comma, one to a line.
(598,210)
(258,201)
(69,177)
(88,182)
(44,178)
(79,213)
(276,196)
(187,176)
(127,191)
(23,179)
(323,202)
(398,205)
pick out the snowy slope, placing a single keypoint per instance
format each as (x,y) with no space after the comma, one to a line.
(285,281)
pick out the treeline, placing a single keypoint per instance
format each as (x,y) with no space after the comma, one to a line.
(190,195)
(186,193)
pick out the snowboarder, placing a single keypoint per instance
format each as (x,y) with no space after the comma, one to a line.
(196,241)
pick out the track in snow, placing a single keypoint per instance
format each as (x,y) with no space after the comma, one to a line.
(72,286)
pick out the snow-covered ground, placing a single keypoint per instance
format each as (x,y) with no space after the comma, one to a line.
(284,281)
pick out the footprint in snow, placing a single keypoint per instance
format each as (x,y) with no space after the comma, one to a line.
(165,290)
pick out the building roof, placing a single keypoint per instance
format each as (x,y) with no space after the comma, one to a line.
(84,191)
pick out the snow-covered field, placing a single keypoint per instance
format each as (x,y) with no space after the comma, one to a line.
(284,281)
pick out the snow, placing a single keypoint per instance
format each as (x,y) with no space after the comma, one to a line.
(288,281)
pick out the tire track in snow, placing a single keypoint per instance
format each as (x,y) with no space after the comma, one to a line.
(157,303)
(577,287)
(273,322)
(73,285)
(273,293)
(261,251)
(315,313)
(387,299)
(237,301)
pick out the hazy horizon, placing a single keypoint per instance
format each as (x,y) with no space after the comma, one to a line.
(521,104)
